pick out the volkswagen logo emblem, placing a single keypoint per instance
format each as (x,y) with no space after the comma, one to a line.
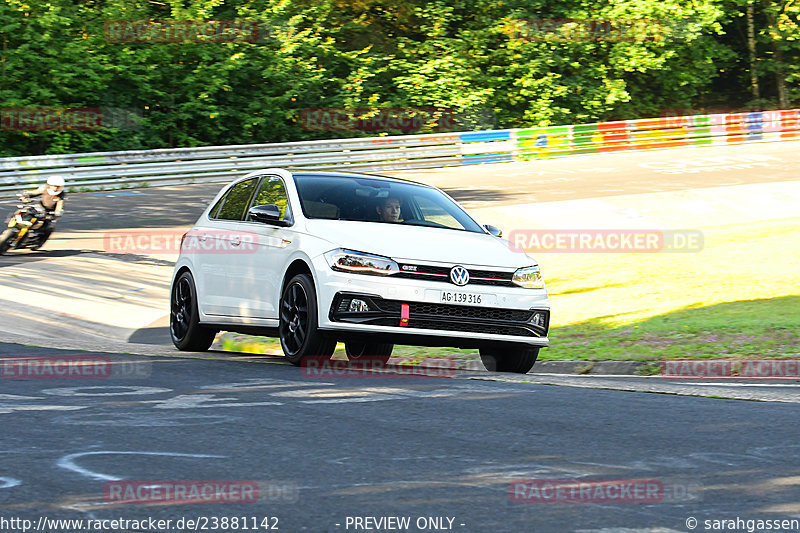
(459,275)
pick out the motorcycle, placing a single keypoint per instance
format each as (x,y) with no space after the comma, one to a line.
(26,227)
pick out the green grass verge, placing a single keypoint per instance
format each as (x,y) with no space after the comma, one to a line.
(737,298)
(744,329)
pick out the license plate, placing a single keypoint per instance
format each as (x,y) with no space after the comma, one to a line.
(461,298)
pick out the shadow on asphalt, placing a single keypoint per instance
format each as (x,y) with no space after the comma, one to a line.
(157,336)
(18,257)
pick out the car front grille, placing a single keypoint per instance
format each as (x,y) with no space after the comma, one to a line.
(493,329)
(457,311)
(439,273)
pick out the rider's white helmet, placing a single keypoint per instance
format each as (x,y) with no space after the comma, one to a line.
(55,181)
(55,184)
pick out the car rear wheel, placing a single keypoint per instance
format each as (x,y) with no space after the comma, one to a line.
(368,351)
(299,333)
(184,318)
(517,360)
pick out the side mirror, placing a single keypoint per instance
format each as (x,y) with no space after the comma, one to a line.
(268,214)
(497,232)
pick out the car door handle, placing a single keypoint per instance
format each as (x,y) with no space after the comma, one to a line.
(236,241)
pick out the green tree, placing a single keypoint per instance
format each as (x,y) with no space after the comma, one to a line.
(515,63)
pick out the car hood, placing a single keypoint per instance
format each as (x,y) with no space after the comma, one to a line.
(423,244)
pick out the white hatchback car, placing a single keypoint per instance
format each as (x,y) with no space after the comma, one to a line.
(320,257)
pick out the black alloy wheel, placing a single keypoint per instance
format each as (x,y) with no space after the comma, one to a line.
(300,336)
(184,318)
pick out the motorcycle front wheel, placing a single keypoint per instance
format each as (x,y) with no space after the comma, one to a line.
(7,239)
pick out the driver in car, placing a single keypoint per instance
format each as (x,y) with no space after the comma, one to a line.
(389,209)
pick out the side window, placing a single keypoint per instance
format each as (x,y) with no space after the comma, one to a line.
(236,201)
(273,191)
(214,213)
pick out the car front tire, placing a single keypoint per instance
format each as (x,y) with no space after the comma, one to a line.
(184,317)
(298,327)
(516,360)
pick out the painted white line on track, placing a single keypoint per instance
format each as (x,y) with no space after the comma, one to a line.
(68,462)
(10,408)
(376,398)
(195,401)
(93,391)
(8,482)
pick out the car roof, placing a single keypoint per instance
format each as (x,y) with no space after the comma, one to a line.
(339,174)
(324,174)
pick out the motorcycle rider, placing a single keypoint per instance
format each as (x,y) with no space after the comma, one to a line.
(52,197)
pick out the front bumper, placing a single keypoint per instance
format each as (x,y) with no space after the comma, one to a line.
(518,315)
(440,317)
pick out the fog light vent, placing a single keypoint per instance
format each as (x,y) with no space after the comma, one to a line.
(358,306)
(343,305)
(539,319)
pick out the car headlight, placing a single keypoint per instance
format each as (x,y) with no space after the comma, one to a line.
(529,277)
(361,263)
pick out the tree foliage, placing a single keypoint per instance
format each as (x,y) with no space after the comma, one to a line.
(514,63)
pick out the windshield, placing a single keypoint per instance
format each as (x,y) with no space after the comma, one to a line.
(380,201)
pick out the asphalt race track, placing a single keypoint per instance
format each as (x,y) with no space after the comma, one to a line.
(336,452)
(323,450)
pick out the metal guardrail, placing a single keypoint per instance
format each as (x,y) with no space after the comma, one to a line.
(110,170)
